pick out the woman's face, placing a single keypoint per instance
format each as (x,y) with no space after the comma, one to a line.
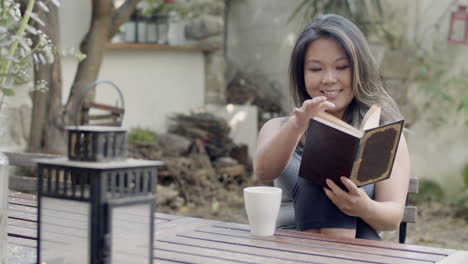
(328,72)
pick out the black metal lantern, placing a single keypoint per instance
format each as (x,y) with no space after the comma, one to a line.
(96,206)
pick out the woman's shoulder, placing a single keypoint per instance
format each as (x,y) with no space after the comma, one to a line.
(275,122)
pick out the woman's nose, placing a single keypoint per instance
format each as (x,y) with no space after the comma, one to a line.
(329,77)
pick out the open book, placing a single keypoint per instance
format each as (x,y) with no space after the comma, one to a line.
(334,148)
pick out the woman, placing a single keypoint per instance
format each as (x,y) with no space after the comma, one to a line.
(332,70)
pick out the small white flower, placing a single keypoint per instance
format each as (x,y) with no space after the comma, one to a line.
(55,2)
(49,56)
(43,6)
(28,41)
(36,18)
(42,59)
(24,45)
(35,59)
(31,29)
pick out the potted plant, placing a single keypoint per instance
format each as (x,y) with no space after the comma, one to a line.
(168,16)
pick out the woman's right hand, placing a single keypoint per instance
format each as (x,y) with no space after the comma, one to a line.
(309,109)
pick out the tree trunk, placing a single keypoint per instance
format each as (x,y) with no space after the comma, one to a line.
(105,21)
(54,136)
(49,117)
(93,45)
(47,105)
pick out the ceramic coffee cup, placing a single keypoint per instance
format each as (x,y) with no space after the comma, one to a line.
(262,204)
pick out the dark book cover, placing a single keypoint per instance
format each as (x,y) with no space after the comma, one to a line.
(332,153)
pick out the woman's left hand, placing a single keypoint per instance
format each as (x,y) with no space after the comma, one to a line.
(355,202)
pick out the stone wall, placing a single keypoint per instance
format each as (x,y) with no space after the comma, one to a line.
(205,27)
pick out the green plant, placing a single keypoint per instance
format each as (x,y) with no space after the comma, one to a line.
(461,206)
(465,176)
(141,135)
(366,14)
(445,91)
(428,190)
(17,47)
(164,7)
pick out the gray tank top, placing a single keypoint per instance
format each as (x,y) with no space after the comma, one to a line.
(286,181)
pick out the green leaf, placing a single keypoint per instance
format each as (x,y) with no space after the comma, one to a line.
(8,92)
(297,10)
(465,104)
(465,176)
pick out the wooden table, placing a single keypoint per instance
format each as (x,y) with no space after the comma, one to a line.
(194,240)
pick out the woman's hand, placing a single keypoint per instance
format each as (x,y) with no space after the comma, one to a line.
(308,110)
(355,202)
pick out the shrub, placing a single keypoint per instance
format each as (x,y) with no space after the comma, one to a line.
(428,190)
(141,135)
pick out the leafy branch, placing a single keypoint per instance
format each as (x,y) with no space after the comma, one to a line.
(365,14)
(14,26)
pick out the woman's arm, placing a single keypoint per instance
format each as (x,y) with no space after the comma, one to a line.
(278,138)
(386,212)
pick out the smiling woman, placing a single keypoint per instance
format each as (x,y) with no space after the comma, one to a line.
(332,70)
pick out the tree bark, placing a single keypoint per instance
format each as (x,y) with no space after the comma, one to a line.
(93,45)
(47,105)
(105,22)
(121,15)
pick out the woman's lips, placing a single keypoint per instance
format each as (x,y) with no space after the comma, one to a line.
(331,94)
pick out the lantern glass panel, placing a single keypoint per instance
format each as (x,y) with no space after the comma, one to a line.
(64,231)
(131,234)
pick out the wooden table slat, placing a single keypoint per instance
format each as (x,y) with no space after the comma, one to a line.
(180,239)
(456,257)
(22,223)
(22,232)
(22,201)
(327,244)
(191,258)
(30,243)
(253,252)
(167,216)
(22,216)
(226,254)
(21,195)
(316,252)
(363,242)
(20,204)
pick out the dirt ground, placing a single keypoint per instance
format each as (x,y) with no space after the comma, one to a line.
(436,225)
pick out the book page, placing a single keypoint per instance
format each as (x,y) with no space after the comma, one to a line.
(372,118)
(338,124)
(346,129)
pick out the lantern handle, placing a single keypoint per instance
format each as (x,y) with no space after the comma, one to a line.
(85,93)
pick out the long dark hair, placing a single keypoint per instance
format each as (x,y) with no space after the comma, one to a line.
(367,82)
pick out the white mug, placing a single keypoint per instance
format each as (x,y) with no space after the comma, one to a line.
(262,204)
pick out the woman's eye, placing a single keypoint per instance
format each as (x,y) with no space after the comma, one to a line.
(342,67)
(315,69)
